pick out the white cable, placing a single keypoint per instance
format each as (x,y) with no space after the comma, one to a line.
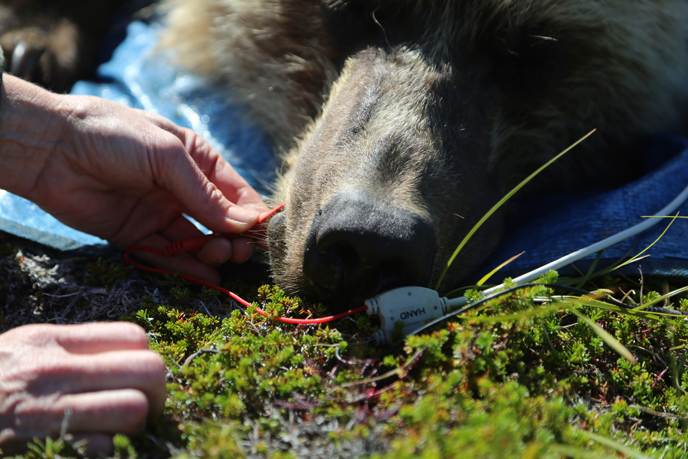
(414,306)
(589,250)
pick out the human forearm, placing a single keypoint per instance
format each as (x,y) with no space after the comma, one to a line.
(29,133)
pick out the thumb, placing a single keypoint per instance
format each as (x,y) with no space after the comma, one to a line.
(204,201)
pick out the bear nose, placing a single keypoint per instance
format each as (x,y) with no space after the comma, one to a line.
(360,246)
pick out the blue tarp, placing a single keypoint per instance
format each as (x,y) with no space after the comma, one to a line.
(545,228)
(552,226)
(140,76)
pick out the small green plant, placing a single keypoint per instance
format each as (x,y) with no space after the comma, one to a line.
(7,249)
(524,375)
(107,272)
(56,449)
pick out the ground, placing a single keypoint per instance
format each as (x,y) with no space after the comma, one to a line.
(515,378)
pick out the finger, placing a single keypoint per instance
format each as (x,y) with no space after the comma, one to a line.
(150,214)
(116,411)
(81,339)
(232,185)
(81,373)
(177,172)
(216,251)
(228,180)
(93,338)
(208,160)
(182,263)
(242,249)
(104,412)
(180,228)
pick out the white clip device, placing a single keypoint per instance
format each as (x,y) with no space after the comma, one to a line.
(413,306)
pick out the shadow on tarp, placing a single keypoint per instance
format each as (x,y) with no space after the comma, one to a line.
(546,228)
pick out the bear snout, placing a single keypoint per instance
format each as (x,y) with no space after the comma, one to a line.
(359,245)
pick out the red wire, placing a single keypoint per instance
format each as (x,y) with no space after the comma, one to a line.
(195,243)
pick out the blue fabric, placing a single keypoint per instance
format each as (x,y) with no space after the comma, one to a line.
(139,76)
(546,228)
(549,227)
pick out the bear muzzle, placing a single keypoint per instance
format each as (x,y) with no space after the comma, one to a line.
(359,246)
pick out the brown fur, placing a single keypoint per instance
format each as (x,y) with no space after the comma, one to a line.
(61,37)
(433,109)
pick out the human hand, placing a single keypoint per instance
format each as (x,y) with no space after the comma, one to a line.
(102,372)
(127,176)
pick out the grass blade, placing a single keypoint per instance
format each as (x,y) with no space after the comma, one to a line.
(500,203)
(613,444)
(628,311)
(637,257)
(575,452)
(607,338)
(663,297)
(491,273)
(591,271)
(527,314)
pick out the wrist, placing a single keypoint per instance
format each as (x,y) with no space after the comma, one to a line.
(31,130)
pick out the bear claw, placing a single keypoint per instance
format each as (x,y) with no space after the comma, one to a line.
(24,60)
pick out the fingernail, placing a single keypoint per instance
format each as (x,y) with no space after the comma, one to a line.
(239,214)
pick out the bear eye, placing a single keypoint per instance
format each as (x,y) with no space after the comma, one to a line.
(528,60)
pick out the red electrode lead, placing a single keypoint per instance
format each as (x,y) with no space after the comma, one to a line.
(195,243)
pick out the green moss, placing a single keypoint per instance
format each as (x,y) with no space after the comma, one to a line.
(106,272)
(527,385)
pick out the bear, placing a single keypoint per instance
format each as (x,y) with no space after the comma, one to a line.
(52,43)
(400,123)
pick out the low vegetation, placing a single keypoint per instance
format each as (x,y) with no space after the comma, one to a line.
(531,374)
